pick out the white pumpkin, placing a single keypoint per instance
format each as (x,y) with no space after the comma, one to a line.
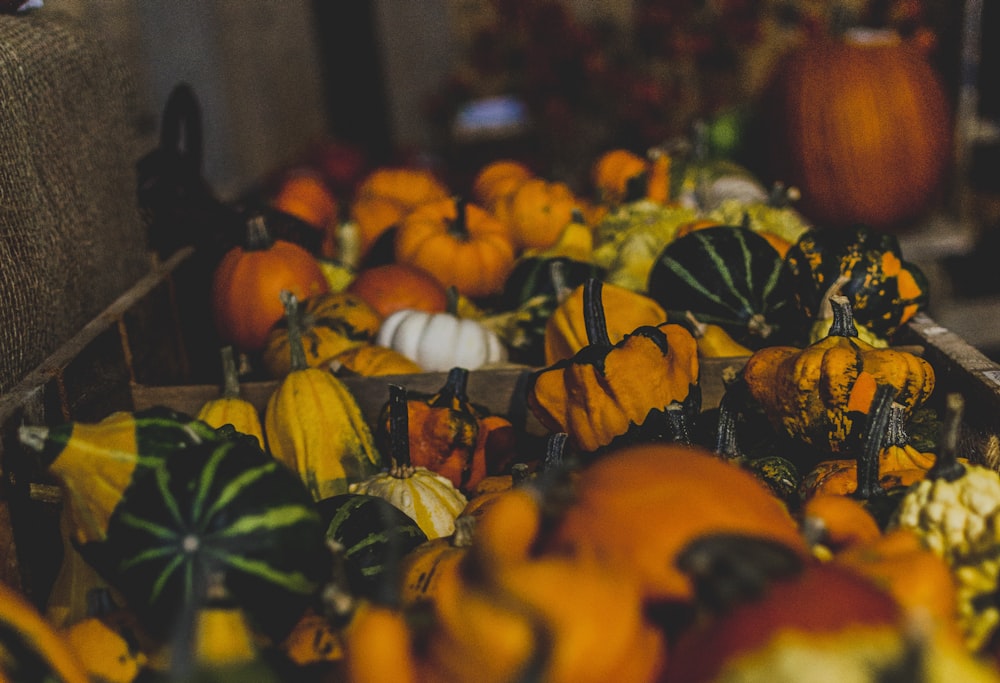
(429,498)
(438,342)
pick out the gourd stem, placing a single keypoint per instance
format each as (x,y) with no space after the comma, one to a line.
(593,313)
(758,326)
(459,227)
(726,444)
(258,237)
(230,376)
(555,450)
(698,328)
(295,346)
(895,432)
(876,430)
(454,393)
(946,465)
(826,306)
(557,276)
(519,473)
(843,317)
(680,426)
(399,427)
(451,300)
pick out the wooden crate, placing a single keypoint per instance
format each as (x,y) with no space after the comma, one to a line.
(149,348)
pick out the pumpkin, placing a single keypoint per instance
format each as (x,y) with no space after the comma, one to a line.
(427,497)
(372,360)
(407,186)
(730,277)
(643,387)
(303,193)
(539,212)
(666,495)
(860,123)
(375,217)
(314,425)
(867,267)
(314,640)
(329,324)
(566,331)
(247,282)
(440,341)
(373,534)
(619,175)
(815,393)
(423,567)
(159,502)
(231,407)
(460,244)
(31,649)
(497,180)
(393,287)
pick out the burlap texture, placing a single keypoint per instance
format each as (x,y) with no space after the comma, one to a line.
(71,239)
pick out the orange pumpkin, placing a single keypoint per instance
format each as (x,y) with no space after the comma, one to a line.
(539,212)
(407,186)
(861,127)
(248,281)
(613,171)
(497,180)
(374,216)
(394,287)
(304,194)
(460,244)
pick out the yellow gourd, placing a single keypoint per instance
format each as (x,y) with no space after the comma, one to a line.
(231,408)
(314,425)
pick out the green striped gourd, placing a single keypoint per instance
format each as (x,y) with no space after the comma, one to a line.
(374,535)
(732,277)
(159,501)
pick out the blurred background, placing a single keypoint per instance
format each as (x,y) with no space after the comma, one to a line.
(451,84)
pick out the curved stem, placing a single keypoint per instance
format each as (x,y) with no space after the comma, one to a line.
(298,351)
(230,376)
(454,392)
(875,436)
(593,313)
(843,317)
(399,427)
(946,465)
(555,449)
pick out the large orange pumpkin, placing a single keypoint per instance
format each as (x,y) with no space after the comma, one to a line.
(248,281)
(862,126)
(392,287)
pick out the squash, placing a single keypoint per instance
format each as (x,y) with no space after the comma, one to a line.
(107,650)
(814,394)
(373,534)
(539,212)
(395,286)
(730,277)
(614,172)
(666,495)
(495,182)
(314,425)
(304,193)
(645,387)
(623,310)
(440,341)
(159,502)
(231,407)
(248,280)
(329,323)
(408,186)
(427,497)
(372,360)
(460,244)
(867,267)
(423,567)
(31,649)
(860,123)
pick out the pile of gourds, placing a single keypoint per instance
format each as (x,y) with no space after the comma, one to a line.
(795,528)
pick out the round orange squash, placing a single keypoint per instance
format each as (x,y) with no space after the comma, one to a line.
(393,287)
(862,126)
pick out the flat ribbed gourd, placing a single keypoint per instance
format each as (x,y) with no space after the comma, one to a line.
(160,501)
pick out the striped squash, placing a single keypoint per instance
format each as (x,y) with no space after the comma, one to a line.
(732,277)
(160,501)
(375,536)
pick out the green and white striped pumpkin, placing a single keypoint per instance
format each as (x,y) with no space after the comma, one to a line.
(160,501)
(374,535)
(732,277)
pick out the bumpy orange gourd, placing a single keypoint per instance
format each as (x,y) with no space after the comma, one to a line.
(815,393)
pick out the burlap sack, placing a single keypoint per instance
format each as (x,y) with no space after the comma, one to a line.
(71,240)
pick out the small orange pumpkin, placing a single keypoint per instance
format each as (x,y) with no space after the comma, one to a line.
(497,180)
(304,194)
(394,287)
(539,212)
(248,281)
(460,244)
